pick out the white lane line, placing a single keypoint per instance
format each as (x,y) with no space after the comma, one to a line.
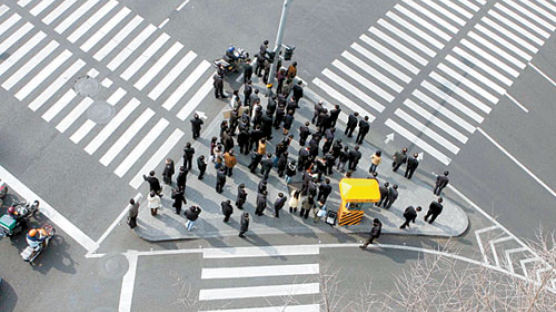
(444,111)
(141,147)
(493,249)
(56,85)
(457,90)
(542,74)
(59,105)
(426,25)
(7,24)
(418,141)
(21,52)
(145,56)
(517,162)
(469,5)
(262,251)
(496,50)
(500,41)
(48,211)
(164,22)
(74,114)
(116,121)
(182,89)
(105,29)
(116,96)
(509,34)
(434,17)
(391,54)
(23,3)
(41,76)
(422,128)
(398,45)
(436,121)
(18,34)
(118,38)
(195,100)
(414,29)
(54,14)
(372,71)
(91,21)
(157,157)
(259,271)
(521,20)
(40,7)
(351,88)
(475,74)
(401,34)
(524,263)
(182,5)
(289,308)
(30,65)
(131,47)
(258,291)
(494,60)
(451,4)
(128,282)
(85,128)
(509,259)
(172,75)
(385,65)
(341,98)
(539,10)
(517,103)
(452,101)
(66,23)
(532,16)
(126,137)
(548,5)
(480,243)
(486,68)
(158,66)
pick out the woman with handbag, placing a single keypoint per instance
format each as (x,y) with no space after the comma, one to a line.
(154,203)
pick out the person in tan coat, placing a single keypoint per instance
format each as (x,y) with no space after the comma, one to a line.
(230,162)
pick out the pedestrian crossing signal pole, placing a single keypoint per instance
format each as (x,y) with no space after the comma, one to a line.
(278,45)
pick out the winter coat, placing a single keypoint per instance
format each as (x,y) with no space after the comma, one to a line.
(375,160)
(229,160)
(153,201)
(244,223)
(192,213)
(227,208)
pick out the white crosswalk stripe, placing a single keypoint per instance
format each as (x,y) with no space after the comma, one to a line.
(91,22)
(480,64)
(172,75)
(105,29)
(143,58)
(75,15)
(452,5)
(182,89)
(530,15)
(522,21)
(424,24)
(59,10)
(158,66)
(392,55)
(414,42)
(40,7)
(131,47)
(21,52)
(509,34)
(16,36)
(7,24)
(118,38)
(383,64)
(440,10)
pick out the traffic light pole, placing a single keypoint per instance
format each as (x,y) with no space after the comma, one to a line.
(278,44)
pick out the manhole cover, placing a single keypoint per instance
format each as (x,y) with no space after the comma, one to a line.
(113,266)
(86,86)
(100,112)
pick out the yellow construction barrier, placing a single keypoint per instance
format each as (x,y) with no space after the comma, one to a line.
(356,194)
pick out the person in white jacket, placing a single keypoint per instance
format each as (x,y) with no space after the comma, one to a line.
(153,202)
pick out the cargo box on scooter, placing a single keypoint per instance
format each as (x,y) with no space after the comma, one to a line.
(7,222)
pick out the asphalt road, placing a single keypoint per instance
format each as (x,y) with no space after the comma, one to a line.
(514,185)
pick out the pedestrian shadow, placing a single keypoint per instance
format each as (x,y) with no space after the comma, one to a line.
(9,297)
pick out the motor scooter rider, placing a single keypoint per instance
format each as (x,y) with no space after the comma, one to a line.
(36,237)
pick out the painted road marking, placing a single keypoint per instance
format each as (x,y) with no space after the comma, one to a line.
(392,55)
(289,308)
(128,282)
(444,111)
(145,56)
(480,77)
(262,251)
(116,96)
(370,70)
(40,7)
(414,42)
(341,98)
(75,113)
(398,45)
(7,24)
(259,271)
(90,23)
(488,69)
(66,23)
(118,38)
(435,17)
(131,47)
(195,100)
(490,58)
(354,90)
(258,291)
(172,75)
(8,42)
(54,14)
(509,34)
(452,101)
(464,94)
(59,105)
(158,66)
(380,62)
(182,89)
(85,128)
(105,29)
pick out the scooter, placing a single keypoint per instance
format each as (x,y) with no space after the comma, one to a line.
(3,192)
(13,224)
(232,61)
(34,249)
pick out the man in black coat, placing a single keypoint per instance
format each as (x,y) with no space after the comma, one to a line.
(353,158)
(261,203)
(435,208)
(196,124)
(323,120)
(334,114)
(312,188)
(202,166)
(351,124)
(182,177)
(188,152)
(241,196)
(412,163)
(441,182)
(243,224)
(227,209)
(302,158)
(282,164)
(254,136)
(400,158)
(279,204)
(410,214)
(262,186)
(324,190)
(374,234)
(218,85)
(266,165)
(243,141)
(383,190)
(363,130)
(255,160)
(247,90)
(266,125)
(271,105)
(318,108)
(391,197)
(297,92)
(220,179)
(328,139)
(247,71)
(178,196)
(154,184)
(304,133)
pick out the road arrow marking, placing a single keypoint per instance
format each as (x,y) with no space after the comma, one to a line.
(389,137)
(202,115)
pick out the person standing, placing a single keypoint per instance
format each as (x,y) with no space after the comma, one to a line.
(261,203)
(133,212)
(319,211)
(266,166)
(280,77)
(178,196)
(154,203)
(330,161)
(188,152)
(227,209)
(412,163)
(383,190)
(306,206)
(328,139)
(334,114)
(304,133)
(220,179)
(324,190)
(182,178)
(375,233)
(400,157)
(392,196)
(292,70)
(353,119)
(282,164)
(343,158)
(317,109)
(290,171)
(202,166)
(363,130)
(218,85)
(353,158)
(154,184)
(196,124)
(192,214)
(435,208)
(288,121)
(243,141)
(247,71)
(441,183)
(294,200)
(297,92)
(241,196)
(168,172)
(247,90)
(279,204)
(243,224)
(375,161)
(255,160)
(230,161)
(410,214)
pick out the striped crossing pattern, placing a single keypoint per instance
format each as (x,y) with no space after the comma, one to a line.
(41,74)
(269,278)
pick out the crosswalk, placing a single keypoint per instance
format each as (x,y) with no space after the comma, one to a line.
(268,279)
(40,70)
(455,97)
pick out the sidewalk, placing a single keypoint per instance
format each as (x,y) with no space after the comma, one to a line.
(168,226)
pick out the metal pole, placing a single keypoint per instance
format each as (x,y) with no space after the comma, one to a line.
(278,44)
